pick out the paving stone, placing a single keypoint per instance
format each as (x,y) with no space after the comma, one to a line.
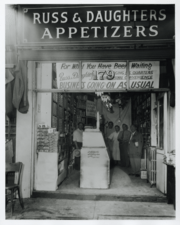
(104,217)
(57,209)
(134,209)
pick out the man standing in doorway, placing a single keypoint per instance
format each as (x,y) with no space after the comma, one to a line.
(77,139)
(123,138)
(115,145)
(135,150)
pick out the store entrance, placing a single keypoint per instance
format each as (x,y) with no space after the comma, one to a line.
(62,111)
(68,109)
(118,108)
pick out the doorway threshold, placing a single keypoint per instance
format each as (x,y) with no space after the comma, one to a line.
(98,197)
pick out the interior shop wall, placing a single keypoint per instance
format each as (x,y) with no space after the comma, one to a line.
(119,115)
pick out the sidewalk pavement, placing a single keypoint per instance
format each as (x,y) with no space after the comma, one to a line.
(65,209)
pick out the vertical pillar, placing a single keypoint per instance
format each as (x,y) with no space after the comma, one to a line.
(24,131)
(166,138)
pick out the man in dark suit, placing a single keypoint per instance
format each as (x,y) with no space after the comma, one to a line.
(123,138)
(135,150)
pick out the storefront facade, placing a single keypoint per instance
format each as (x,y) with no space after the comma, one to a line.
(110,43)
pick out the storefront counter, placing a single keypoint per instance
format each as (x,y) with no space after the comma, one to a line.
(95,162)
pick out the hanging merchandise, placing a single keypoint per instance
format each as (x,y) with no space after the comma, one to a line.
(122,100)
(10,109)
(20,96)
(107,100)
(119,115)
(98,93)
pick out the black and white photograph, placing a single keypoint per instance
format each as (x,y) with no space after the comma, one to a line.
(90,111)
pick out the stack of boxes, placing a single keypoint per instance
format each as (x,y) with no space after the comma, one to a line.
(47,139)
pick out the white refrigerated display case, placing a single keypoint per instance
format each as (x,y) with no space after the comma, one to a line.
(95,162)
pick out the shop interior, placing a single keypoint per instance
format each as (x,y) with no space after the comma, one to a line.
(68,109)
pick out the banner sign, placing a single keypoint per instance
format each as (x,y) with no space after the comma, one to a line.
(90,108)
(97,23)
(108,75)
(144,75)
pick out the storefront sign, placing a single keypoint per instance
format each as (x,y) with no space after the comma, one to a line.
(90,108)
(97,23)
(108,75)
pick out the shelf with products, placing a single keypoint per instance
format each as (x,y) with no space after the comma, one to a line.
(63,126)
(54,111)
(71,109)
(141,115)
(67,122)
(59,119)
(55,97)
(63,153)
(60,99)
(47,139)
(81,111)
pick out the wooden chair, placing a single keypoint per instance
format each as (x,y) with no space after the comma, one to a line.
(16,186)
